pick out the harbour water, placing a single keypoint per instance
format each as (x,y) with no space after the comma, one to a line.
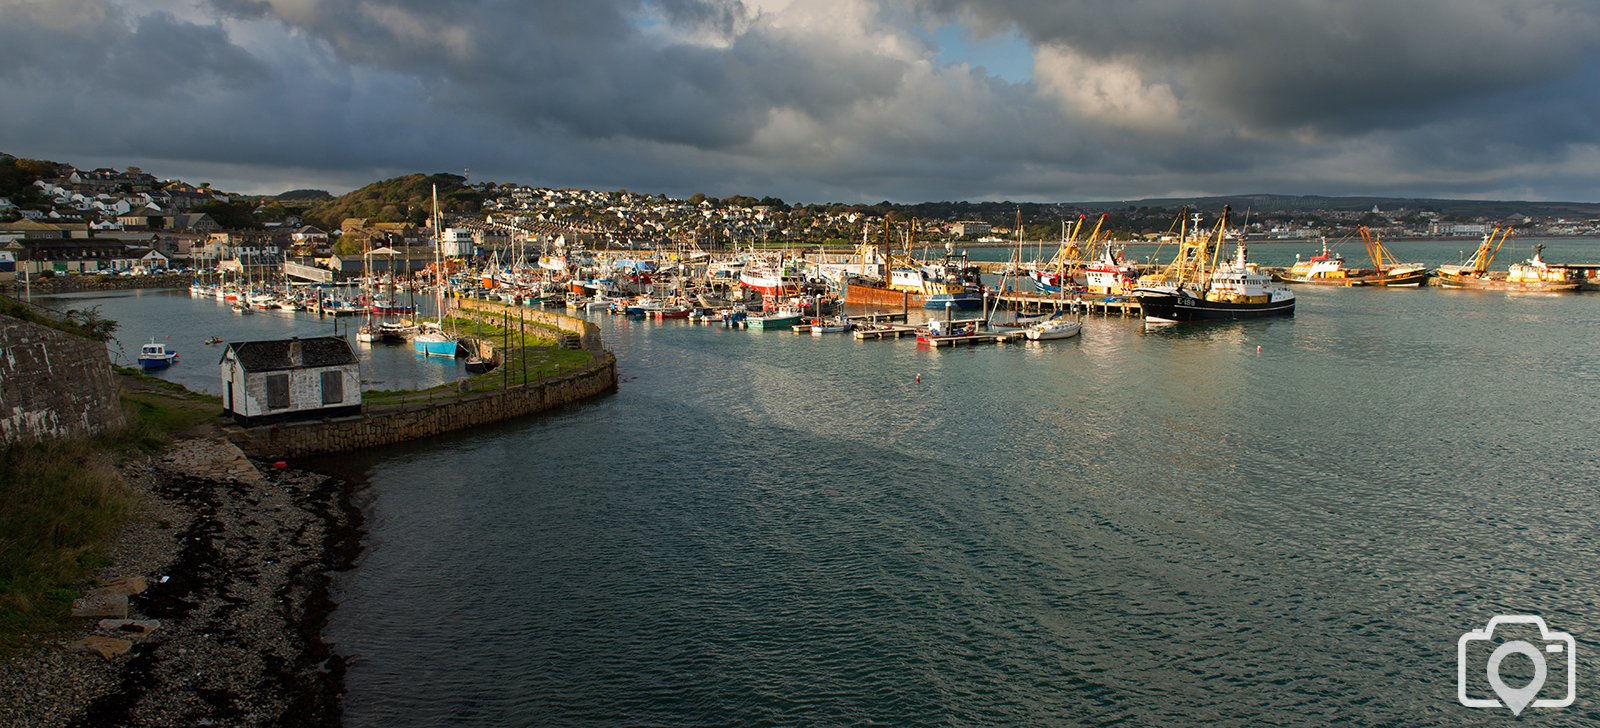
(183,323)
(1146,525)
(1154,526)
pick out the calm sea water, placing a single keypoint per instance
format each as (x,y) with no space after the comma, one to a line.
(183,323)
(1150,526)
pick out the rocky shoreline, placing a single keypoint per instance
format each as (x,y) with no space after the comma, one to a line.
(223,579)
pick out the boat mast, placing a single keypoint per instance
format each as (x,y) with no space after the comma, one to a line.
(438,270)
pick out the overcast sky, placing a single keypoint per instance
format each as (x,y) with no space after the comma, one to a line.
(822,100)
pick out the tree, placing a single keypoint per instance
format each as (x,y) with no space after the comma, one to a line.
(231,215)
(94,325)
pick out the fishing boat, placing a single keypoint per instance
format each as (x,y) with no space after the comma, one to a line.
(1193,289)
(939,330)
(949,282)
(154,355)
(1530,276)
(784,317)
(395,332)
(1385,270)
(1065,272)
(1328,267)
(1110,274)
(838,324)
(770,279)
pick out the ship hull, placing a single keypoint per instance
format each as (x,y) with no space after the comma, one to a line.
(1163,307)
(1408,279)
(429,346)
(1500,284)
(866,294)
(962,301)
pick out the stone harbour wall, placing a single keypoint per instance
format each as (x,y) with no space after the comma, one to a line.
(387,426)
(91,282)
(588,333)
(54,384)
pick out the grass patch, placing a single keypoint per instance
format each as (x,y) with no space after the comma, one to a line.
(65,502)
(541,358)
(158,410)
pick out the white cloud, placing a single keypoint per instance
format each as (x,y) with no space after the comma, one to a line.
(1110,92)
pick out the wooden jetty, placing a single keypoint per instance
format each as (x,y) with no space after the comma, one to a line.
(964,339)
(885,331)
(1103,304)
(868,319)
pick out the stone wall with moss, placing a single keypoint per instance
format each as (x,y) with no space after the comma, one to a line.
(54,384)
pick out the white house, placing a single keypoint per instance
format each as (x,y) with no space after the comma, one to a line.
(290,379)
(456,243)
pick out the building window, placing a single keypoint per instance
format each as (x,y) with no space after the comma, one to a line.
(332,387)
(277,391)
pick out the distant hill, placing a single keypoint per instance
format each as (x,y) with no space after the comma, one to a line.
(1268,203)
(304,196)
(398,199)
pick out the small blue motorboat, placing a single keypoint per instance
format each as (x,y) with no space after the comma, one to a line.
(154,355)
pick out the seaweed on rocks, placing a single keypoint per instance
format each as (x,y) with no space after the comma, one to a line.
(239,564)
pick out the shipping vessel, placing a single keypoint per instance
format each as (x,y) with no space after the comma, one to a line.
(1193,289)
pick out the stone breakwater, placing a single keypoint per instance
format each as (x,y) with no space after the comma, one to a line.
(217,594)
(388,425)
(81,282)
(501,314)
(391,425)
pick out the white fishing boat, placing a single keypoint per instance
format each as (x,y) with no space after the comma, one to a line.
(837,324)
(154,355)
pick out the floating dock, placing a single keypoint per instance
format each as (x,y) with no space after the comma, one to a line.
(964,339)
(868,319)
(886,331)
(1103,304)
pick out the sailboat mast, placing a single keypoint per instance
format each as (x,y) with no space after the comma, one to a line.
(438,279)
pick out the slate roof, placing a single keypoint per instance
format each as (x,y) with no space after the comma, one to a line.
(316,352)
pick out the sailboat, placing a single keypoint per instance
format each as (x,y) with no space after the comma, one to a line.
(1195,287)
(369,332)
(433,341)
(1057,326)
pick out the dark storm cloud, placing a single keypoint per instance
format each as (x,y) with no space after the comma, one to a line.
(820,99)
(1342,66)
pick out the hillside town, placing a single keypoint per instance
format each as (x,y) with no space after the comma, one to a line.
(74,221)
